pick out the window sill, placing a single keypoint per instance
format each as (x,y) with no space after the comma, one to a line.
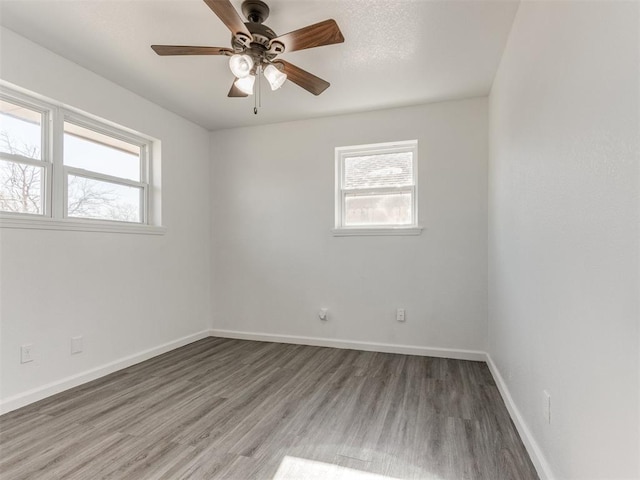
(44,223)
(375,231)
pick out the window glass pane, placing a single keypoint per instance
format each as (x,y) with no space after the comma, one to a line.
(20,187)
(20,131)
(90,198)
(382,170)
(385,209)
(93,151)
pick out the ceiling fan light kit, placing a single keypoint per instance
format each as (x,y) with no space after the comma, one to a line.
(254,48)
(245,84)
(240,65)
(274,76)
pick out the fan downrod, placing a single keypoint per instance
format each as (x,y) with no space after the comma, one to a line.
(256,11)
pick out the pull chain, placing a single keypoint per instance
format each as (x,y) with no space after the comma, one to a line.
(257,92)
(257,99)
(260,88)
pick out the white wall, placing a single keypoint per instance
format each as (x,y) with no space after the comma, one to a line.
(275,261)
(124,293)
(563,232)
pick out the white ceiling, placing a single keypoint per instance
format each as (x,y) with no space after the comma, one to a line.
(396,52)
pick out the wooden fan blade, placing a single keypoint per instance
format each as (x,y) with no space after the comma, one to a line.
(316,35)
(190,50)
(229,16)
(235,91)
(304,79)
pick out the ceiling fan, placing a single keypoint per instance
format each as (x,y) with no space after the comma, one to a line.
(255,48)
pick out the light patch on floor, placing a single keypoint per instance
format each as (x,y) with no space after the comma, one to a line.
(297,468)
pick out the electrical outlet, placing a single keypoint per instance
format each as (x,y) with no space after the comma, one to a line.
(76,344)
(400,315)
(546,406)
(26,353)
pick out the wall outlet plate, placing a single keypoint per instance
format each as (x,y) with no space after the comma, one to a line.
(76,344)
(26,353)
(546,406)
(400,315)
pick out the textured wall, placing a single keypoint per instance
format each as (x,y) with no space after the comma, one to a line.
(276,262)
(124,293)
(563,232)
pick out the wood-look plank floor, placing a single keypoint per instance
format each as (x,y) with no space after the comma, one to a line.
(234,409)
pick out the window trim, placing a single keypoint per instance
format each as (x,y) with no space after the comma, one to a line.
(13,220)
(341,154)
(55,173)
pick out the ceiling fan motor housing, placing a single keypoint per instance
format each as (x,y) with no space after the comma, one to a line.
(260,46)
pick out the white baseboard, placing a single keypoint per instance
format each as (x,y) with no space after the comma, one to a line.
(31,396)
(539,461)
(457,354)
(23,399)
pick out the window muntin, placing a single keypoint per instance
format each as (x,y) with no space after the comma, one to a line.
(376,186)
(70,166)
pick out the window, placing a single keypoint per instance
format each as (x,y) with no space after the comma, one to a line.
(57,165)
(24,164)
(376,189)
(103,173)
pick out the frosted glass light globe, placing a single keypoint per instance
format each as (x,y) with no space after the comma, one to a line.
(241,65)
(245,84)
(274,76)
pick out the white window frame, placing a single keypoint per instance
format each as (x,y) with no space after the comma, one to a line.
(55,176)
(343,153)
(118,134)
(45,150)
